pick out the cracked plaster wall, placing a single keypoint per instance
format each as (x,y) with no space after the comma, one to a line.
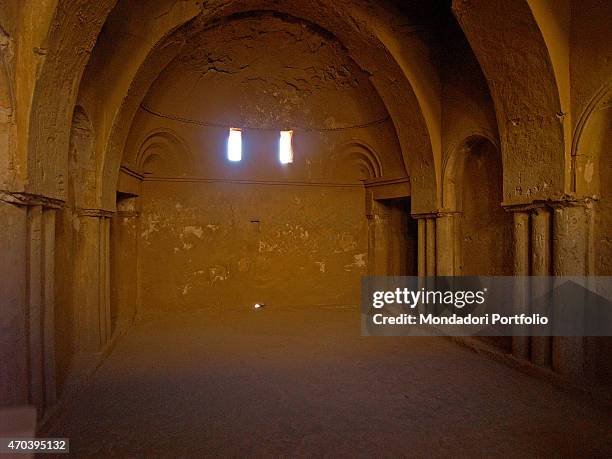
(215,233)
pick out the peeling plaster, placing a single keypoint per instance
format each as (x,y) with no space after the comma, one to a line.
(196,231)
(589,171)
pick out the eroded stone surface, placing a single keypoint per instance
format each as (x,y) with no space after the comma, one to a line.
(107,210)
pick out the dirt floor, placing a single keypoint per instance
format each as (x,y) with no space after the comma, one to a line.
(302,382)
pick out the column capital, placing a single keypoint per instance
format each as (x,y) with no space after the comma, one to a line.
(437,214)
(425,215)
(586,203)
(448,213)
(98,213)
(21,198)
(566,201)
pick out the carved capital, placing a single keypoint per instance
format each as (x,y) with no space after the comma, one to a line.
(97,213)
(425,215)
(28,199)
(565,201)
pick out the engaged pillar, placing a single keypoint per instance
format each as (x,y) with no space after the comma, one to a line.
(124,259)
(541,246)
(431,246)
(92,280)
(421,248)
(28,267)
(446,244)
(570,243)
(426,244)
(520,344)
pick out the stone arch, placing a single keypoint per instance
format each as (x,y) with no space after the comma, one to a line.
(472,192)
(397,92)
(529,113)
(592,171)
(7,122)
(592,177)
(553,19)
(472,198)
(452,168)
(585,155)
(355,161)
(163,153)
(66,34)
(73,27)
(82,160)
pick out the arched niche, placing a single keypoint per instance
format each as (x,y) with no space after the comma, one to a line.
(82,160)
(592,171)
(163,153)
(453,166)
(592,161)
(354,161)
(473,189)
(599,129)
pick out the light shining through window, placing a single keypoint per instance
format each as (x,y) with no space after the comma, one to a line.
(234,144)
(285,152)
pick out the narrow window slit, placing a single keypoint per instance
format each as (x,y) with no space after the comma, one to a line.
(234,144)
(285,152)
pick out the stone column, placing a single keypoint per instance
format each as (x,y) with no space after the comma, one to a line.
(421,249)
(13,310)
(520,344)
(426,250)
(570,243)
(124,261)
(426,244)
(445,244)
(430,242)
(541,248)
(41,307)
(28,301)
(92,280)
(35,307)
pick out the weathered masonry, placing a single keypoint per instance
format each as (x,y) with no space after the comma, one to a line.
(428,138)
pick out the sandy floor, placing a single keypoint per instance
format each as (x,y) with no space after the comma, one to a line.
(304,383)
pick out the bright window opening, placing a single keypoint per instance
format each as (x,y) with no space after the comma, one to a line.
(285,152)
(234,144)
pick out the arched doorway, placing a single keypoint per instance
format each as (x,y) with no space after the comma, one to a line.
(473,193)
